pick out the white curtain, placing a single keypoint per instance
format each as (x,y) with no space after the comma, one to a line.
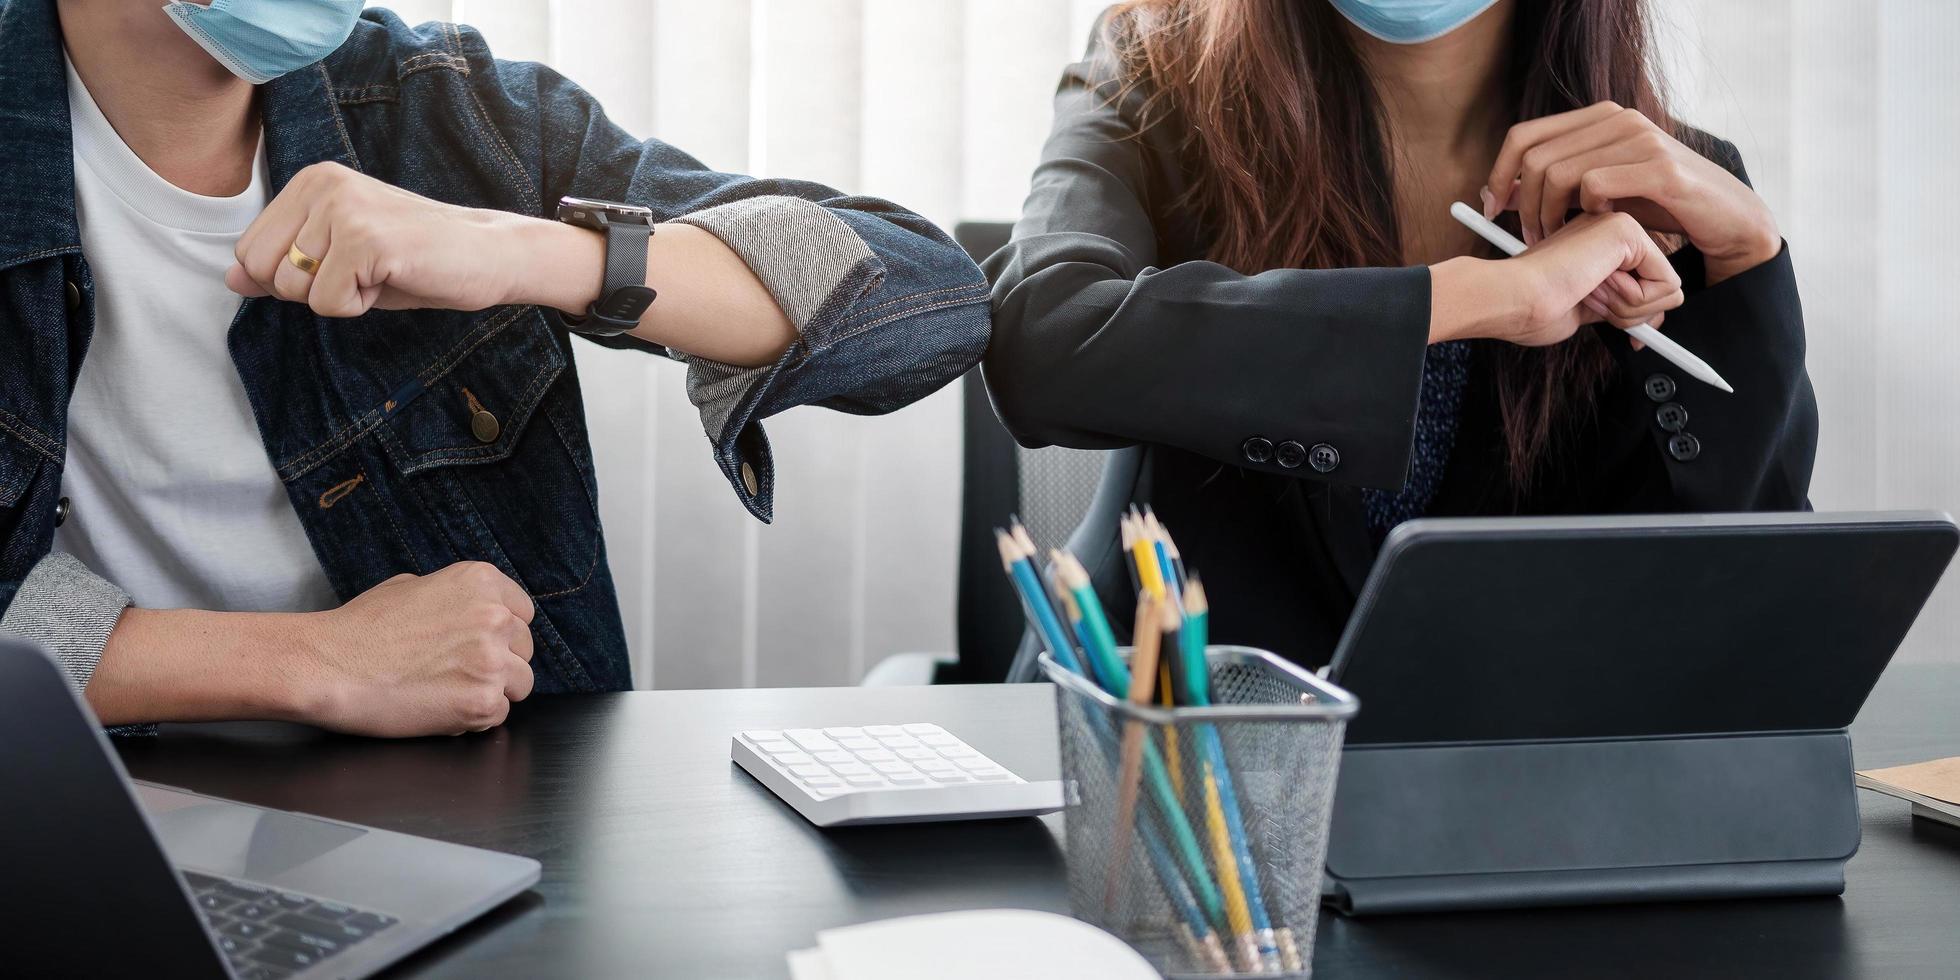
(1846,117)
(1842,111)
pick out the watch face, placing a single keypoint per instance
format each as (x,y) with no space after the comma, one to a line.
(593,213)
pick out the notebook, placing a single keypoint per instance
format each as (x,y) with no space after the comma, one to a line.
(988,944)
(1933,788)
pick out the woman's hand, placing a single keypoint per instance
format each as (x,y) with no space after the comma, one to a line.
(1597,267)
(381,247)
(1605,158)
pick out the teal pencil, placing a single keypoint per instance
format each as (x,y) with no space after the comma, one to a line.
(1084,609)
(1099,641)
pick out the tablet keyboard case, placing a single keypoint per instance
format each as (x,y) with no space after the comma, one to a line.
(1454,826)
(1510,754)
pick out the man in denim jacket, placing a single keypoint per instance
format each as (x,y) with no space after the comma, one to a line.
(400,537)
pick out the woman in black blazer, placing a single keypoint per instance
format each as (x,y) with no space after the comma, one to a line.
(1237,253)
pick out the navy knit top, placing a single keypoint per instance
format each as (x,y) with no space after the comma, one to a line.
(1445,374)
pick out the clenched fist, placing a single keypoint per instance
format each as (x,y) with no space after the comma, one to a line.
(344,243)
(438,654)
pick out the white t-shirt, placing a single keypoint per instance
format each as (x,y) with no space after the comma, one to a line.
(172,497)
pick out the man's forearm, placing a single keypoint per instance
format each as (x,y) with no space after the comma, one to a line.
(191,665)
(711,304)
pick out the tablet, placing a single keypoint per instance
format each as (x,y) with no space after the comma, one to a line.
(1495,629)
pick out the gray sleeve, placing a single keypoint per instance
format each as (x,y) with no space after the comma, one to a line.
(800,251)
(68,611)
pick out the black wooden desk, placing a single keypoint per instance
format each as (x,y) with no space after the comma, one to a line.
(662,859)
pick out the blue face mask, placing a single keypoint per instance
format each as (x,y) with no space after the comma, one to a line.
(1410,21)
(260,40)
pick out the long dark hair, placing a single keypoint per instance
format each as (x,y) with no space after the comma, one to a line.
(1286,129)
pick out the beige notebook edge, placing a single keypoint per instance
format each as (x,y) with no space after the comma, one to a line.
(1933,788)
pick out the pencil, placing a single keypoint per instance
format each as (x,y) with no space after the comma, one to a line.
(1099,642)
(1226,820)
(1198,935)
(1143,666)
(1176,572)
(1197,931)
(1083,609)
(1034,601)
(1127,534)
(1149,573)
(1148,549)
(1160,547)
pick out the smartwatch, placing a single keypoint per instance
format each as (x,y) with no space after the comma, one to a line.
(623,295)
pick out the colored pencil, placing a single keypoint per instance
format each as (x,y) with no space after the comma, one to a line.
(1199,937)
(1142,550)
(1153,529)
(1086,610)
(1126,529)
(1148,551)
(1226,819)
(1143,672)
(1019,563)
(1099,641)
(1176,558)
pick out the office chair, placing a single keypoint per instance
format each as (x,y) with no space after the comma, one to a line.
(1064,496)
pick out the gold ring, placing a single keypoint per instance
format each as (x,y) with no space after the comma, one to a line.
(302,261)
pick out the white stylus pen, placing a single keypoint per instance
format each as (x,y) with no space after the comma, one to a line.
(1662,344)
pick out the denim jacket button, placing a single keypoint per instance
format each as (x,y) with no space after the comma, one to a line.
(484,426)
(748,480)
(74,296)
(61,510)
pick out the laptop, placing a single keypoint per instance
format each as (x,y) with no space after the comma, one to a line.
(106,876)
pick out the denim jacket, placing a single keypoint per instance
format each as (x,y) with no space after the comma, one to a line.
(368,421)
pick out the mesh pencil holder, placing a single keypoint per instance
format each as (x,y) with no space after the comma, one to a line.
(1215,869)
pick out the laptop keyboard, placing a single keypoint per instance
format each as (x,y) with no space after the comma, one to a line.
(270,935)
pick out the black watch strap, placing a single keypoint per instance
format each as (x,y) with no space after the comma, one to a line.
(624,295)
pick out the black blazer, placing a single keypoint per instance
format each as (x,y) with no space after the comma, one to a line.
(1267,401)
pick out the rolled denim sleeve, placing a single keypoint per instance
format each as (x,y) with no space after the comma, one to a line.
(802,253)
(67,610)
(887,308)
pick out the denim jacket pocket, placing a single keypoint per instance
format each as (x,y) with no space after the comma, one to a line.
(480,445)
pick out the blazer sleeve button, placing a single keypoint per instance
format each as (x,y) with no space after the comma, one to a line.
(1660,388)
(1290,455)
(1258,449)
(1683,446)
(1671,417)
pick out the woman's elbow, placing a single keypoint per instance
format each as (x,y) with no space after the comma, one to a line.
(1029,387)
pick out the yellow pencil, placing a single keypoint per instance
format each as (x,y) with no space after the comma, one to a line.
(1149,574)
(1143,551)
